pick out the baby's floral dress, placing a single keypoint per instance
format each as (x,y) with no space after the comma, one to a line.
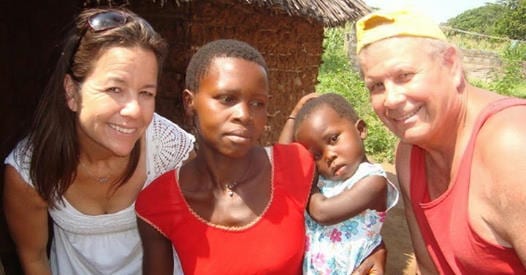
(340,248)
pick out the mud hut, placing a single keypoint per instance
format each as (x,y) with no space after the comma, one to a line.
(289,33)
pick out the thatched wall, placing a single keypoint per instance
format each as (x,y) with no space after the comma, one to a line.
(291,45)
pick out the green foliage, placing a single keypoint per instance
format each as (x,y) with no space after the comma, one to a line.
(512,79)
(500,21)
(513,21)
(465,41)
(480,20)
(505,18)
(336,75)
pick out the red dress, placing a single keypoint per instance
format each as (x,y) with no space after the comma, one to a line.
(450,240)
(274,244)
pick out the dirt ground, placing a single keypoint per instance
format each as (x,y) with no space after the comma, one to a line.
(396,236)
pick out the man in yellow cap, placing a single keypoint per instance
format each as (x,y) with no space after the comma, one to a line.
(461,160)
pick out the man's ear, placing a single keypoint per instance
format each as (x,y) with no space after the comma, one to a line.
(453,60)
(71,93)
(188,102)
(361,126)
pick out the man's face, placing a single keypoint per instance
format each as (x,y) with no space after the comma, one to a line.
(411,89)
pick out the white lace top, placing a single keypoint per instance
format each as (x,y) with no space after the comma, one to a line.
(110,243)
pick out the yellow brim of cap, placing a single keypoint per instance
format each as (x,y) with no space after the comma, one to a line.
(384,24)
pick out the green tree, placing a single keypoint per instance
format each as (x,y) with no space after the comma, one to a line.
(505,18)
(513,22)
(481,20)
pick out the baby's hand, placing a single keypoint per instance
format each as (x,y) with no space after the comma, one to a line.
(301,102)
(374,263)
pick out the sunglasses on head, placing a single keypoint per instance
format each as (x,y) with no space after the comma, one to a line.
(99,22)
(106,20)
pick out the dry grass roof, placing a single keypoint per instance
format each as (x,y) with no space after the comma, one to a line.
(330,12)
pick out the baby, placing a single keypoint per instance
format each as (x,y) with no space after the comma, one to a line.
(348,205)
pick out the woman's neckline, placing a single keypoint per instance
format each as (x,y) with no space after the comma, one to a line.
(192,212)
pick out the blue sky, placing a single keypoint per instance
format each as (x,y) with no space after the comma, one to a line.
(439,10)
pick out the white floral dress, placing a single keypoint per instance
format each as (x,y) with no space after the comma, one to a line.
(340,248)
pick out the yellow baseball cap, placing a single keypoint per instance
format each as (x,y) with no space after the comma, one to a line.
(384,24)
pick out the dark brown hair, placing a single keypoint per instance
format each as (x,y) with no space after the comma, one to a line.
(52,139)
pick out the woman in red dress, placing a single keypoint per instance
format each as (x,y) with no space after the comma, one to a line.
(237,207)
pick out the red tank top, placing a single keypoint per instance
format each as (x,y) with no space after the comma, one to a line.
(450,240)
(274,244)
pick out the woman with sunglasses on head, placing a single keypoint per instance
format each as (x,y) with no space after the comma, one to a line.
(94,144)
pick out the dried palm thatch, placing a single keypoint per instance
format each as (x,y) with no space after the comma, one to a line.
(330,12)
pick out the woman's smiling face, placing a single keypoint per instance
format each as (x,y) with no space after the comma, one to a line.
(116,101)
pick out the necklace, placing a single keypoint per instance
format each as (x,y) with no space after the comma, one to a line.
(99,179)
(230,187)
